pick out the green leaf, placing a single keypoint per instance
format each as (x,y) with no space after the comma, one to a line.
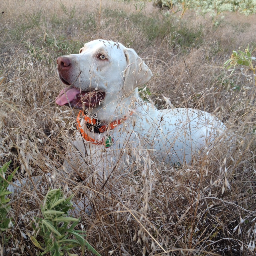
(227,62)
(4,202)
(35,242)
(52,212)
(72,226)
(50,197)
(4,223)
(90,248)
(243,62)
(83,242)
(12,174)
(3,170)
(58,202)
(5,167)
(69,241)
(79,238)
(66,219)
(248,53)
(4,193)
(234,53)
(51,227)
(52,192)
(57,249)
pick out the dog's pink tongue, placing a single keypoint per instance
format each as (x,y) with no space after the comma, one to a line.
(67,95)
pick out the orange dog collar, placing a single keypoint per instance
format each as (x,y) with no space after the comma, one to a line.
(109,141)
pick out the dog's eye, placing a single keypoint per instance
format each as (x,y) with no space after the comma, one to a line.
(80,50)
(101,56)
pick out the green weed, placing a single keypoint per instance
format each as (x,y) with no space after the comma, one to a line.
(34,20)
(69,12)
(153,27)
(243,58)
(186,37)
(5,220)
(159,27)
(114,13)
(55,231)
(90,22)
(144,93)
(62,45)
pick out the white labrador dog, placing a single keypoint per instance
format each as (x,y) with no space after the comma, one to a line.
(103,82)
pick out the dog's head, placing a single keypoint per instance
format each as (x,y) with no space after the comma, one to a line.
(103,70)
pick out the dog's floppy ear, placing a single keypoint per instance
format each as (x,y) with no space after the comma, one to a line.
(136,73)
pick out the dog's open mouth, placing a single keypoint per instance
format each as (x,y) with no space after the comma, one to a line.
(76,98)
(63,80)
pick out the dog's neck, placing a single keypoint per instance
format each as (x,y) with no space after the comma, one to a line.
(116,109)
(95,126)
(90,127)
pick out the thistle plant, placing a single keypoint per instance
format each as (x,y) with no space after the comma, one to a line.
(55,230)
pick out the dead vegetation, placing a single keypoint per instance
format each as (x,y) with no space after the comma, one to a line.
(207,208)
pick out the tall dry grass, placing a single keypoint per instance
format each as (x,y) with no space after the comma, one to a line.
(206,208)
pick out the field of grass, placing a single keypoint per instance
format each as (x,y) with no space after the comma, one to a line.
(206,208)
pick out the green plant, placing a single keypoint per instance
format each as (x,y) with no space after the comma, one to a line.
(70,12)
(139,6)
(215,7)
(242,58)
(186,37)
(34,19)
(144,93)
(5,221)
(56,231)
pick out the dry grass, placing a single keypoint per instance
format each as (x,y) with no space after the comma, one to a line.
(207,208)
